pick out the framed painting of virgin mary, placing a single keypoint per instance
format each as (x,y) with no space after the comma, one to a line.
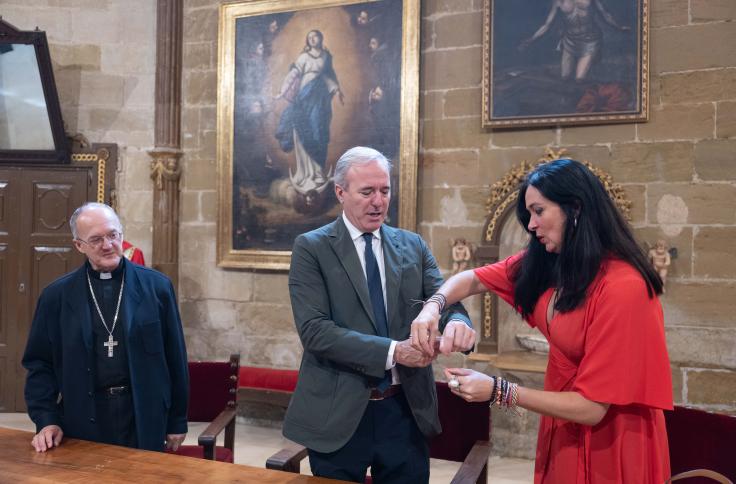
(300,82)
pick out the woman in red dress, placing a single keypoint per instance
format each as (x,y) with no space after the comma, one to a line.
(585,283)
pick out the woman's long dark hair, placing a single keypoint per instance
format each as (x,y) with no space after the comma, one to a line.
(600,231)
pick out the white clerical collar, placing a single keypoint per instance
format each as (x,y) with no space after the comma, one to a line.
(115,273)
(355,233)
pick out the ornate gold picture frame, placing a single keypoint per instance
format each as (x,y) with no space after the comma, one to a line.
(548,62)
(299,83)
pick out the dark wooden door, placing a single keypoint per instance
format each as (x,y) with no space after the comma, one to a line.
(9,245)
(35,248)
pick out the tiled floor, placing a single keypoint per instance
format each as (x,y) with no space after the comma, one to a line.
(253,445)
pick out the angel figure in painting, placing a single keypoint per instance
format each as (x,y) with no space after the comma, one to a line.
(581,35)
(304,127)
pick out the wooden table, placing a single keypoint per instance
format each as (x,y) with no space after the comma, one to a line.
(81,461)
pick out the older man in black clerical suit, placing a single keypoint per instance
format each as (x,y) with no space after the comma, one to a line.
(105,355)
(364,396)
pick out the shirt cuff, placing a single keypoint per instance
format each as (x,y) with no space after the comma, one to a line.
(458,320)
(390,358)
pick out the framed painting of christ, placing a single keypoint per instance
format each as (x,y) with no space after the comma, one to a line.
(565,62)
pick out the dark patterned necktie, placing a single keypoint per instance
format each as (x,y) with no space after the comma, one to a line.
(376,292)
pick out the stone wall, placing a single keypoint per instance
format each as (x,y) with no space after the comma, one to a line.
(678,169)
(104,60)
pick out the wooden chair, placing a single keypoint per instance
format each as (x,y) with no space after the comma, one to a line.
(465,437)
(213,390)
(701,446)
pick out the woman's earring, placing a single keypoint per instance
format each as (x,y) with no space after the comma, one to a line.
(575,222)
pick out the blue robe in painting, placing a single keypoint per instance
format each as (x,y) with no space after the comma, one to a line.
(309,115)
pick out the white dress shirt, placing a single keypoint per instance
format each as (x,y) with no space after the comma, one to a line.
(359,243)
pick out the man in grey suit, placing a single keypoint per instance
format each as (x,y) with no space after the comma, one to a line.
(365,397)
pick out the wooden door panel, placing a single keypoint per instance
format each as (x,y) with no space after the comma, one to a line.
(10,181)
(4,228)
(8,351)
(7,404)
(7,222)
(5,319)
(49,196)
(52,205)
(35,249)
(48,264)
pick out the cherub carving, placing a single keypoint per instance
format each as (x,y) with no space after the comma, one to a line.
(659,256)
(462,253)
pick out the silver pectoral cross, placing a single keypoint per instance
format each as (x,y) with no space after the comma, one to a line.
(110,343)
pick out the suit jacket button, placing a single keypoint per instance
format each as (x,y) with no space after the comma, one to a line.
(89,393)
(92,419)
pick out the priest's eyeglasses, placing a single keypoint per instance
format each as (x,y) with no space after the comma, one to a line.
(98,240)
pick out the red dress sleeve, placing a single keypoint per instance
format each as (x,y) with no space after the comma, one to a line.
(625,354)
(497,278)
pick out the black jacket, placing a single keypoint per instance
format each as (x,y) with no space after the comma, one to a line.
(60,360)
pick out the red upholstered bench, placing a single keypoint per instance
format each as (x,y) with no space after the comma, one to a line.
(266,385)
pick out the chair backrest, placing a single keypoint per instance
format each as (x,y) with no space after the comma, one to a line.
(701,440)
(268,378)
(463,424)
(213,385)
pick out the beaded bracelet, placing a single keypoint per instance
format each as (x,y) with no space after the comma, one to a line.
(499,395)
(493,391)
(504,393)
(439,299)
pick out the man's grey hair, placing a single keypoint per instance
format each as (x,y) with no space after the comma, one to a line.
(360,155)
(91,206)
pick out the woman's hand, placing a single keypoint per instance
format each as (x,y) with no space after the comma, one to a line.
(472,385)
(425,329)
(457,336)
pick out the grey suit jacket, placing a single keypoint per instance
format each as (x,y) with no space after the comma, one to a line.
(343,354)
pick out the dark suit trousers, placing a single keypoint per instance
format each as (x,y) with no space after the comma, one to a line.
(115,419)
(387,440)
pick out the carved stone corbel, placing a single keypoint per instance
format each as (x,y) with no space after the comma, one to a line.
(165,166)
